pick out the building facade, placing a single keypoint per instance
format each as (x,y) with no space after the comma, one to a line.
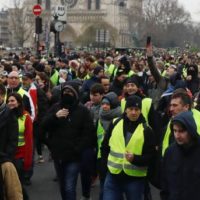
(102,23)
(4,28)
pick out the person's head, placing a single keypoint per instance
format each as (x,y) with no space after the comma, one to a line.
(13,79)
(98,71)
(121,75)
(2,93)
(180,102)
(27,79)
(63,75)
(70,95)
(108,60)
(3,77)
(133,107)
(64,63)
(42,79)
(132,85)
(89,61)
(171,70)
(192,70)
(96,93)
(15,102)
(105,82)
(184,128)
(109,101)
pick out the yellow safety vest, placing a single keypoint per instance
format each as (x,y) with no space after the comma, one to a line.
(54,78)
(21,129)
(196,115)
(110,69)
(21,91)
(131,72)
(165,143)
(116,159)
(146,106)
(100,136)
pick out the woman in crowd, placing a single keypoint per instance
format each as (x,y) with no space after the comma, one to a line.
(24,153)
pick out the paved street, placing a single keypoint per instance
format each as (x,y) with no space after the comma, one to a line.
(44,188)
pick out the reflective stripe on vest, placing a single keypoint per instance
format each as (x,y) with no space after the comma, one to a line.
(22,92)
(165,143)
(100,136)
(54,78)
(21,129)
(110,69)
(116,159)
(130,73)
(146,106)
(196,115)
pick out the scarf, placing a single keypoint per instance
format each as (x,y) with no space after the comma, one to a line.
(106,117)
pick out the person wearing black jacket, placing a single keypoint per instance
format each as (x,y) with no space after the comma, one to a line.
(8,132)
(70,131)
(181,164)
(127,150)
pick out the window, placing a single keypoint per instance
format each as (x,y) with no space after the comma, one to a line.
(97,4)
(89,4)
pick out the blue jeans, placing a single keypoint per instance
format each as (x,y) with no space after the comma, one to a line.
(115,187)
(67,173)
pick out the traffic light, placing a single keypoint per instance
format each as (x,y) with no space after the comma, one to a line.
(38,25)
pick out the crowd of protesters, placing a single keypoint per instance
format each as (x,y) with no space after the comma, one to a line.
(128,118)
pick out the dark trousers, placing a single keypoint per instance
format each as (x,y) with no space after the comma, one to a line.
(19,163)
(87,171)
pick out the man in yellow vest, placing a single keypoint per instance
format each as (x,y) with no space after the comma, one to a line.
(180,102)
(128,148)
(14,85)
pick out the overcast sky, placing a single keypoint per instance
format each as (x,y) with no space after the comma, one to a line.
(193,6)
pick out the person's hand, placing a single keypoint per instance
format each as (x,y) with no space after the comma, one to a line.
(129,157)
(189,78)
(62,113)
(149,50)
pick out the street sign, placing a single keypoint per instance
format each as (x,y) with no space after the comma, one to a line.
(61,12)
(37,10)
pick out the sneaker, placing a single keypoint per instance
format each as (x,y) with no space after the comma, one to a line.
(40,159)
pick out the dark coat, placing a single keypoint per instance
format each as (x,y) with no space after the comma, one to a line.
(181,173)
(8,139)
(181,164)
(8,135)
(68,137)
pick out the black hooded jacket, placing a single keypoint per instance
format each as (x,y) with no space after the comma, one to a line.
(68,137)
(181,165)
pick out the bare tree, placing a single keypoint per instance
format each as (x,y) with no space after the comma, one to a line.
(164,20)
(21,23)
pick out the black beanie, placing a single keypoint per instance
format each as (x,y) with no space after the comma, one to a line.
(134,80)
(133,101)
